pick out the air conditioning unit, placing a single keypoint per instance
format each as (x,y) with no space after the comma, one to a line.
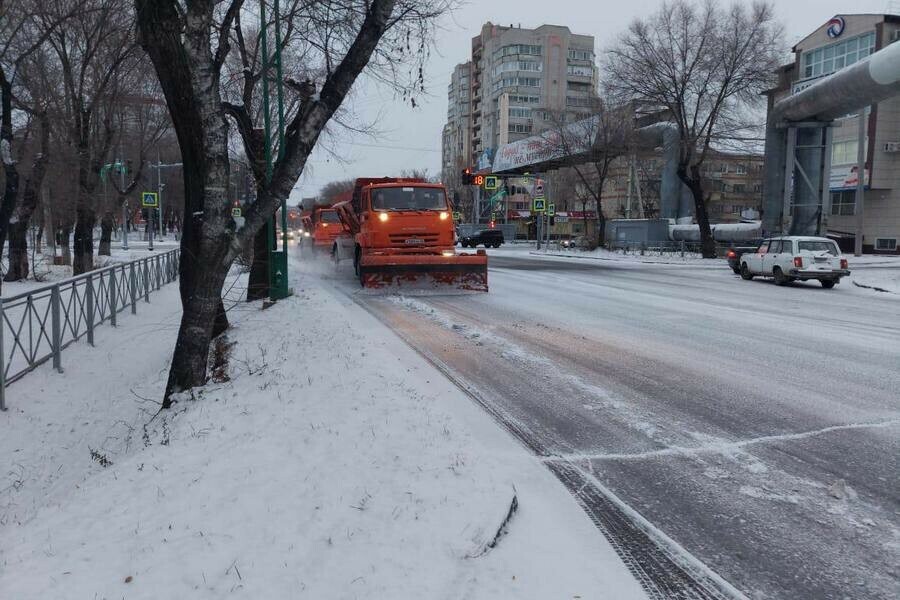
(892,147)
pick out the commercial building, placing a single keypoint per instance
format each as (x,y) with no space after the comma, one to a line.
(518,82)
(732,182)
(838,43)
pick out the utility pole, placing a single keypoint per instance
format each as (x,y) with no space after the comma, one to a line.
(159,189)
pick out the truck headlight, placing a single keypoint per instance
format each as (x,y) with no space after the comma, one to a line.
(382,217)
(444,215)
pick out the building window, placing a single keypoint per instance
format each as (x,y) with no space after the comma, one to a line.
(740,188)
(741,169)
(517,81)
(580,70)
(886,244)
(519,128)
(828,59)
(843,203)
(518,65)
(516,99)
(519,112)
(844,153)
(573,101)
(519,49)
(578,86)
(581,55)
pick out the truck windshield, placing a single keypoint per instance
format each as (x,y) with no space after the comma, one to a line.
(329,216)
(409,198)
(828,247)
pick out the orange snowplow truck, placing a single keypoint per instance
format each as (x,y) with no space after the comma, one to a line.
(401,234)
(324,228)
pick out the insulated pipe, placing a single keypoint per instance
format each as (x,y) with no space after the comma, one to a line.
(869,81)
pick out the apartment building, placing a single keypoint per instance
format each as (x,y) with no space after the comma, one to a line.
(518,82)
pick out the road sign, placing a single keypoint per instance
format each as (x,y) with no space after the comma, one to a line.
(539,188)
(457,216)
(236,211)
(539,205)
(149,199)
(551,210)
(491,182)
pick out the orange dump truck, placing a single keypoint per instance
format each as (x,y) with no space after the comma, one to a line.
(326,226)
(400,233)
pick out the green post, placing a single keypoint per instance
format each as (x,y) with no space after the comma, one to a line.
(278,287)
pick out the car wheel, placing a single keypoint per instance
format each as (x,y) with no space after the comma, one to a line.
(745,272)
(827,283)
(496,244)
(780,277)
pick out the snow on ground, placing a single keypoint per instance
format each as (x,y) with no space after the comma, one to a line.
(46,273)
(869,273)
(326,461)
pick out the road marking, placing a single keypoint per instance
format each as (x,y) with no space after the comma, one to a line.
(719,448)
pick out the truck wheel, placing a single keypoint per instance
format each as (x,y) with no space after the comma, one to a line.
(356,254)
(780,277)
(745,272)
(827,283)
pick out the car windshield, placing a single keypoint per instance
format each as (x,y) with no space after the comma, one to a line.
(329,216)
(409,198)
(822,246)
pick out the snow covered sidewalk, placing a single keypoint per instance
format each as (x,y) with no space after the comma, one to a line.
(325,460)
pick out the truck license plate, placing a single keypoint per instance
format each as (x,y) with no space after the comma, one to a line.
(415,241)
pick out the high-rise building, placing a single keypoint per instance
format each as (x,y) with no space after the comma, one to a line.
(518,82)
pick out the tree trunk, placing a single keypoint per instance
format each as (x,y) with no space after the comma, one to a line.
(83,244)
(707,242)
(39,239)
(18,252)
(11,189)
(258,282)
(64,235)
(106,229)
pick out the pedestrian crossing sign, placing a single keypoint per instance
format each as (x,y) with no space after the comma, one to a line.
(539,204)
(149,199)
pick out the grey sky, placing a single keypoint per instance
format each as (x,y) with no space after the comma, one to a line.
(411,138)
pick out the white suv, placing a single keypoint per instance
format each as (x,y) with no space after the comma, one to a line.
(793,258)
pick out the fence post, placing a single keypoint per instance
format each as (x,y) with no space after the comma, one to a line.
(89,301)
(132,284)
(146,264)
(682,248)
(112,297)
(55,333)
(2,361)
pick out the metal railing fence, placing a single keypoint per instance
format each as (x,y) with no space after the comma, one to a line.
(37,325)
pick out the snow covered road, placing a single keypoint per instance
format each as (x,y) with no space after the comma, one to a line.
(758,427)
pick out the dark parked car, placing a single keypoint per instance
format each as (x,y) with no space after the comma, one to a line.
(489,238)
(735,252)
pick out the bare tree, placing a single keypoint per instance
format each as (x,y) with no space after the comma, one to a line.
(331,191)
(23,31)
(189,44)
(591,146)
(94,48)
(706,67)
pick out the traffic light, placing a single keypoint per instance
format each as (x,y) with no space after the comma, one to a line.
(467,177)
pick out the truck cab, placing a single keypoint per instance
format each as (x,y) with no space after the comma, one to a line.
(406,217)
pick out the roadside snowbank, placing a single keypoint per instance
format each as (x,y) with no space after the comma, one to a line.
(327,460)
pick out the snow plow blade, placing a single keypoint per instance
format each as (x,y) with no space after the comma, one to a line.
(424,271)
